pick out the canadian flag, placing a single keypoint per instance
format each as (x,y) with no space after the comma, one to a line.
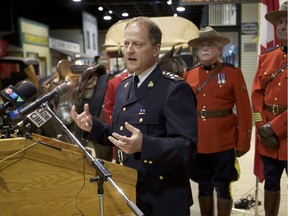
(267,39)
(267,32)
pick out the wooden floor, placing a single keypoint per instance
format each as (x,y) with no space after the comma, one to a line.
(247,185)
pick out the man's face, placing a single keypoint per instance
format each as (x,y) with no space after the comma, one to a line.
(281,29)
(209,52)
(139,54)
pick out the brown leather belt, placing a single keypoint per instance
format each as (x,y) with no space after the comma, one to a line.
(214,114)
(275,109)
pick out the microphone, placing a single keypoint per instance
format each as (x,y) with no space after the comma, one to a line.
(16,97)
(58,90)
(20,124)
(38,117)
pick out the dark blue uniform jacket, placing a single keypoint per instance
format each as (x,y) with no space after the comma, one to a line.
(163,108)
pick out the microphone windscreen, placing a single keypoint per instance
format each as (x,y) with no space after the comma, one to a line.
(27,89)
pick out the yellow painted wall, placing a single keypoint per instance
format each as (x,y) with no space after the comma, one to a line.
(34,37)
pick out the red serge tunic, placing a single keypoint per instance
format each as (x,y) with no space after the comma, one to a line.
(275,94)
(222,133)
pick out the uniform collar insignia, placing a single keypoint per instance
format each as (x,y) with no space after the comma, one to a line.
(211,67)
(126,84)
(150,84)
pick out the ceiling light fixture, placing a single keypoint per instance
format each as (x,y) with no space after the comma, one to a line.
(180,9)
(100,8)
(169,2)
(107,17)
(125,14)
(76,0)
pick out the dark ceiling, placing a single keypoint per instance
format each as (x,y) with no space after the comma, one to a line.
(65,14)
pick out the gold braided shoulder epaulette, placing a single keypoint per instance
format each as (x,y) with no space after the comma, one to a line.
(171,75)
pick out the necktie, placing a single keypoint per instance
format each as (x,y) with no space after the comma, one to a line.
(136,81)
(134,87)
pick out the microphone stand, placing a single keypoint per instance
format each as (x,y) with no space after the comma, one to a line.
(102,173)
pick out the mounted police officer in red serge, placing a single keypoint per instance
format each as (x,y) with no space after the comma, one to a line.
(154,124)
(269,100)
(222,133)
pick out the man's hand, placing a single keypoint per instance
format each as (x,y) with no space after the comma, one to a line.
(267,136)
(83,120)
(129,145)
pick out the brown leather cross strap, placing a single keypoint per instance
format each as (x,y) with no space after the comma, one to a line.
(274,75)
(214,113)
(275,109)
(209,78)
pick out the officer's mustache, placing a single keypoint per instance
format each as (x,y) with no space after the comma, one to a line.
(205,53)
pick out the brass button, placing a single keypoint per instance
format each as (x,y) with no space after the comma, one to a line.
(121,128)
(141,120)
(145,161)
(275,99)
(204,94)
(124,109)
(150,162)
(161,177)
(279,84)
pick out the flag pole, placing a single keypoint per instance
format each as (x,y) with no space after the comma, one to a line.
(256,196)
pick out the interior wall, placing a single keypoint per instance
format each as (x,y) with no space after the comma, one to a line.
(249,14)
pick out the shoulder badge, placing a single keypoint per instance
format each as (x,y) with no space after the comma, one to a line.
(229,65)
(270,49)
(171,75)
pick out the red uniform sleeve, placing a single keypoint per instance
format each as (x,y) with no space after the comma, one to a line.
(257,97)
(244,111)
